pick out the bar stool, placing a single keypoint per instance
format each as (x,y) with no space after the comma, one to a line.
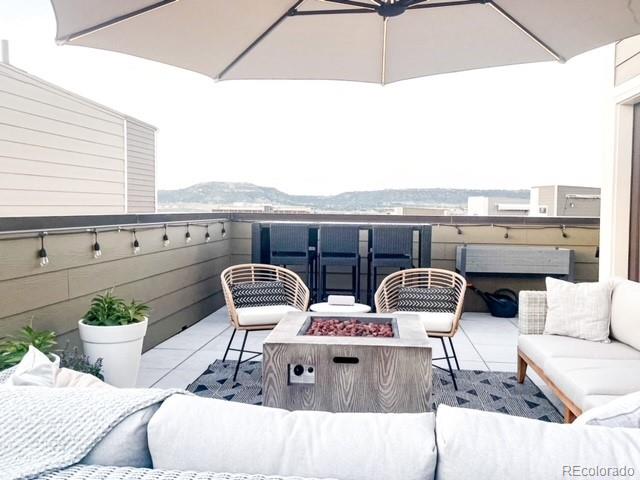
(289,245)
(339,245)
(390,247)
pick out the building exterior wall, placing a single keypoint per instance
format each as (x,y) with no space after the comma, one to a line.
(180,282)
(544,198)
(61,154)
(577,207)
(616,190)
(141,167)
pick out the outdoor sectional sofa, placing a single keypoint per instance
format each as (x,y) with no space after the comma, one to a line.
(114,434)
(582,373)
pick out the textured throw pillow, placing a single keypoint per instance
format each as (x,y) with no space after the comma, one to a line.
(427,300)
(258,294)
(622,412)
(580,310)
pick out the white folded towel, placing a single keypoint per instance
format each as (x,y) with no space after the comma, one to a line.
(342,300)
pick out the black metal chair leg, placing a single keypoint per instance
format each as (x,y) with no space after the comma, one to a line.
(455,357)
(446,357)
(229,344)
(244,341)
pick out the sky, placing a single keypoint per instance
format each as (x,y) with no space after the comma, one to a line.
(509,127)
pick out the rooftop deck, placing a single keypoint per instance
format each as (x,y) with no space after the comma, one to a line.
(482,343)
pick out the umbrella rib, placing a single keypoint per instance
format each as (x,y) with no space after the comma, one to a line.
(418,5)
(352,3)
(261,37)
(384,49)
(113,21)
(302,13)
(525,30)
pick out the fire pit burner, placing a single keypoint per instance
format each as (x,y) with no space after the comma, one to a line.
(326,326)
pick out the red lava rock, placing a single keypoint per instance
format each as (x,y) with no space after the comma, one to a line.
(332,327)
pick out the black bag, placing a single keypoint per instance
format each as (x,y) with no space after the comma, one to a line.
(501,303)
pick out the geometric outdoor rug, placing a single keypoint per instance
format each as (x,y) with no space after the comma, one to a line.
(480,390)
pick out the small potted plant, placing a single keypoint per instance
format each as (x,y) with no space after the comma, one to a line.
(113,330)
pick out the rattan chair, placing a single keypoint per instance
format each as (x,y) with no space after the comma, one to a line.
(260,317)
(436,324)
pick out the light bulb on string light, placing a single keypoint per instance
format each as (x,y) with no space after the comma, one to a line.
(223,232)
(97,250)
(165,238)
(42,253)
(136,244)
(207,236)
(187,236)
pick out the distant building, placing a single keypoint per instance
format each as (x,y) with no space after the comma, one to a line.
(422,211)
(262,209)
(62,154)
(492,206)
(565,201)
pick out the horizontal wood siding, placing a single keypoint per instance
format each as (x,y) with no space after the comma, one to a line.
(60,154)
(627,60)
(141,168)
(181,282)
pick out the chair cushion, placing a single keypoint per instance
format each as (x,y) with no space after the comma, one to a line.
(484,445)
(202,434)
(593,401)
(434,321)
(580,377)
(440,299)
(268,315)
(540,348)
(258,294)
(581,310)
(625,305)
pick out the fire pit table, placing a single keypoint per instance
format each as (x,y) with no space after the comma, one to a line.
(348,363)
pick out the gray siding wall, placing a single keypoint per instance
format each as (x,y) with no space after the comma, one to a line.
(627,60)
(181,282)
(141,168)
(59,154)
(582,207)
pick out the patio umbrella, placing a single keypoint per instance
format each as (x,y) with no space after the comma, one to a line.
(378,41)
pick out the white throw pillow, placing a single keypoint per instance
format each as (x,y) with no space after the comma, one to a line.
(485,446)
(621,412)
(202,434)
(579,310)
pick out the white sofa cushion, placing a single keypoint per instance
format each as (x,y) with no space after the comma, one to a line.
(193,433)
(484,445)
(625,313)
(580,310)
(434,321)
(540,348)
(267,315)
(622,412)
(581,377)
(593,401)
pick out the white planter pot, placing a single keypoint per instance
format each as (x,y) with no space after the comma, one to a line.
(120,348)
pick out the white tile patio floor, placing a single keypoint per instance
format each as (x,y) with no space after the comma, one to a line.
(482,343)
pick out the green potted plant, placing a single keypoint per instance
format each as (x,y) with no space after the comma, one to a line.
(113,330)
(12,349)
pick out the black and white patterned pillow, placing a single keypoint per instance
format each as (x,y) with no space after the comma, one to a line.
(441,299)
(258,294)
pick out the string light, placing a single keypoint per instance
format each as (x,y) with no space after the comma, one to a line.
(223,232)
(459,230)
(136,244)
(97,251)
(42,253)
(506,233)
(207,236)
(187,237)
(165,237)
(564,231)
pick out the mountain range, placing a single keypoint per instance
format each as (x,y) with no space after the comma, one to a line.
(230,193)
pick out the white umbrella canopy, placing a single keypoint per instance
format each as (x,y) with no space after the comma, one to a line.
(379,41)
